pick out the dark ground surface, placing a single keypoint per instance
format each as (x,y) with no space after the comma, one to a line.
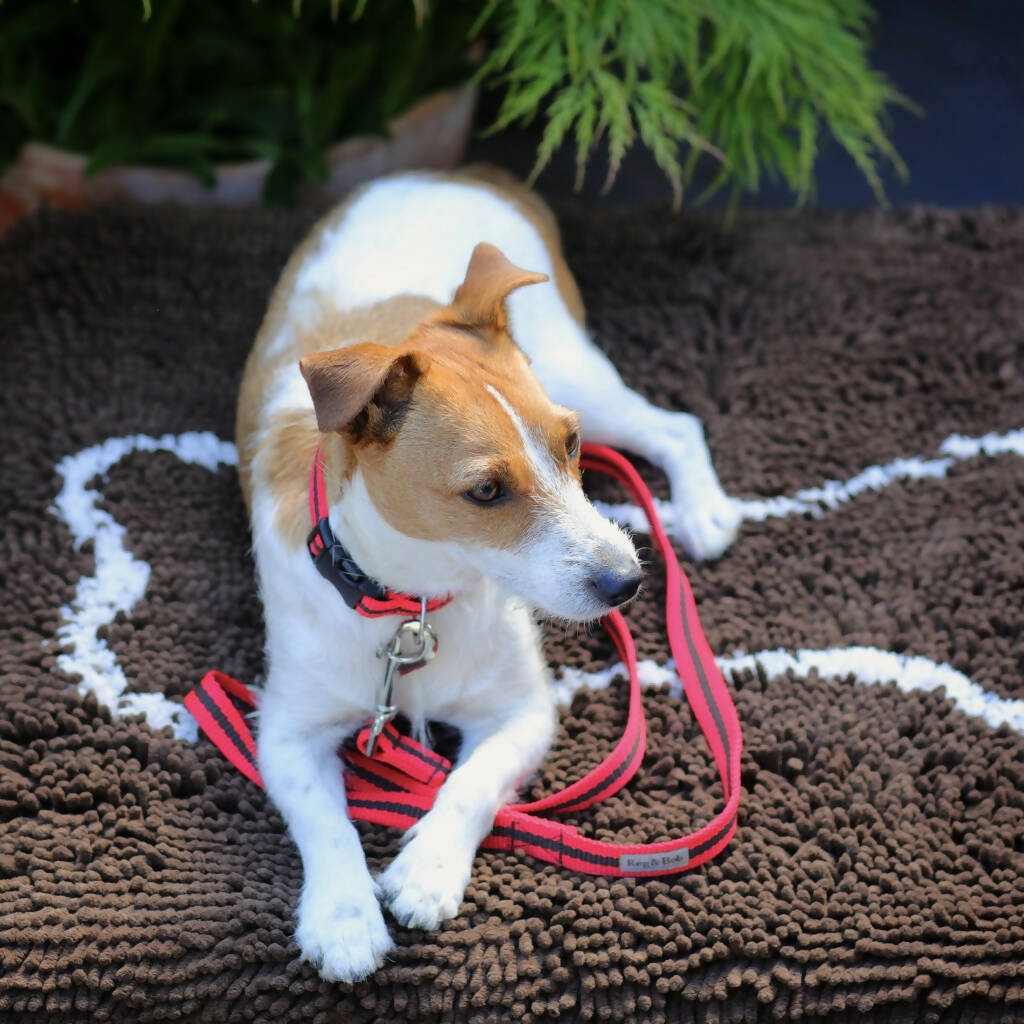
(963,64)
(878,871)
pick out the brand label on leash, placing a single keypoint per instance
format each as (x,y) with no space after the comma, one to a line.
(667,861)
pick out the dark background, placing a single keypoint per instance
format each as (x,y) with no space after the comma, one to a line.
(961,62)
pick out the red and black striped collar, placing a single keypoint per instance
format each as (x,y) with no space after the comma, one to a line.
(359,591)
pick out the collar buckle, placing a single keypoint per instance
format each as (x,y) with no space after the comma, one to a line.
(337,566)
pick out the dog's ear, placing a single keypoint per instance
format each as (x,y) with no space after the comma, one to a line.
(480,300)
(362,389)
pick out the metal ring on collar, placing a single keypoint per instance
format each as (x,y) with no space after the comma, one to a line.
(425,643)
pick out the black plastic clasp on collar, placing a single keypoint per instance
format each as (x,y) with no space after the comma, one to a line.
(337,566)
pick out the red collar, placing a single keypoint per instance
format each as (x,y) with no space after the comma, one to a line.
(360,592)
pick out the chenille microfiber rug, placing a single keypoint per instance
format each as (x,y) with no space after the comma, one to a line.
(862,382)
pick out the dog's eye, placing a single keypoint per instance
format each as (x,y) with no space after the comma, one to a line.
(572,444)
(485,493)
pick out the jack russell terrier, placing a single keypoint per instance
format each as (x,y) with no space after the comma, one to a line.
(444,391)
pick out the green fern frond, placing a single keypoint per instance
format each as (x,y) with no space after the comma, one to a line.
(754,84)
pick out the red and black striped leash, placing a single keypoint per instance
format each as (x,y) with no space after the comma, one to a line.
(398,784)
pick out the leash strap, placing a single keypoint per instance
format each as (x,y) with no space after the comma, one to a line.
(220,719)
(397,786)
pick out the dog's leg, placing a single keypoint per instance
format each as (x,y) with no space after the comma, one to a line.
(425,883)
(341,929)
(579,375)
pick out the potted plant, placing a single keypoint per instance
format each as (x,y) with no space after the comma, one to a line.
(225,102)
(245,99)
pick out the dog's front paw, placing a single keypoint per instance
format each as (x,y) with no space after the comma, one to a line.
(707,525)
(344,937)
(425,883)
(705,520)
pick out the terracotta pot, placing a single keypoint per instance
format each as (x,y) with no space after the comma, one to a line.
(433,133)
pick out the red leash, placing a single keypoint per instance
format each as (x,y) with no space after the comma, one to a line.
(397,786)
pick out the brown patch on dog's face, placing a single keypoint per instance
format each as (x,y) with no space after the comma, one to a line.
(458,468)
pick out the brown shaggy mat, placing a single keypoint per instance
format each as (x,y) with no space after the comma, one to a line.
(878,871)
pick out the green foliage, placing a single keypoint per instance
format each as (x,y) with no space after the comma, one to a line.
(191,84)
(754,84)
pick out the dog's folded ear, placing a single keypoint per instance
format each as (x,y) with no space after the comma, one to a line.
(480,300)
(362,389)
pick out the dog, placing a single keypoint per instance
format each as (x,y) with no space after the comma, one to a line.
(427,340)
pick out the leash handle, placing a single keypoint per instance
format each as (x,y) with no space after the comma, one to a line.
(397,786)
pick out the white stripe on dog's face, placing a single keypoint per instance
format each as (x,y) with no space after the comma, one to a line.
(546,472)
(568,543)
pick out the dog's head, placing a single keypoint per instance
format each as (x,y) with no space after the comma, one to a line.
(458,445)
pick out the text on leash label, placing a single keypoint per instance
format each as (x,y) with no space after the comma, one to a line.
(667,861)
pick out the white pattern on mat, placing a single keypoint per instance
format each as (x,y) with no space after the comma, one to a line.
(119,580)
(863,664)
(816,501)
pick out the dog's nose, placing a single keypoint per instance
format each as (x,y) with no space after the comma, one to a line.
(615,588)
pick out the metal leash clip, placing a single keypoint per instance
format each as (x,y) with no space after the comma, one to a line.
(412,646)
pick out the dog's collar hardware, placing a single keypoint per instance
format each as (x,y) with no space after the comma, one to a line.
(401,658)
(339,568)
(361,592)
(414,642)
(397,786)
